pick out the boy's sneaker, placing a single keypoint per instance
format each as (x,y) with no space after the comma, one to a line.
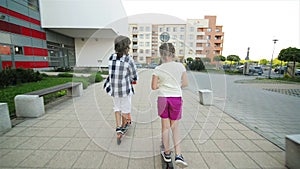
(119,130)
(180,161)
(167,157)
(125,128)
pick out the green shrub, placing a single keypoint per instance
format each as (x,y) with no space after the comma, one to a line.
(11,77)
(95,77)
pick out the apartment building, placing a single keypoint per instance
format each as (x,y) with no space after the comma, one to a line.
(25,44)
(197,38)
(43,34)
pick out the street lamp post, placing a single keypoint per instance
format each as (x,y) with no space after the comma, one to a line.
(274,40)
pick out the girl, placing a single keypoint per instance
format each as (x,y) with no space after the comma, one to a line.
(169,78)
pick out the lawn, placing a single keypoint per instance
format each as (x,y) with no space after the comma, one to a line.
(7,94)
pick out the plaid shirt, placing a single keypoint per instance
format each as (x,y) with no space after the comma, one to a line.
(121,74)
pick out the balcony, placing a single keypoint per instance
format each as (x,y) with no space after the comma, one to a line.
(200,33)
(201,41)
(134,54)
(134,39)
(199,48)
(135,31)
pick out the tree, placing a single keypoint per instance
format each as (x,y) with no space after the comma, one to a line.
(233,58)
(217,59)
(206,60)
(290,54)
(263,61)
(196,64)
(189,60)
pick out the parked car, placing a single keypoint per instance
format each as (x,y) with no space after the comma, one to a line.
(297,72)
(255,69)
(138,65)
(280,69)
(152,65)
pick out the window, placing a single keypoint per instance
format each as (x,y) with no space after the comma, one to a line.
(141,36)
(4,50)
(168,29)
(141,58)
(174,37)
(181,44)
(208,37)
(147,51)
(141,28)
(147,36)
(182,29)
(181,37)
(191,44)
(18,50)
(147,28)
(147,44)
(191,37)
(141,43)
(141,51)
(192,29)
(208,29)
(161,29)
(181,52)
(174,29)
(217,30)
(33,4)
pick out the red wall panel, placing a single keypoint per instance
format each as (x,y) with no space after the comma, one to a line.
(20,16)
(6,64)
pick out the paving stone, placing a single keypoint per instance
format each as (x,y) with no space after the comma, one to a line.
(90,159)
(264,160)
(241,160)
(38,158)
(63,159)
(216,161)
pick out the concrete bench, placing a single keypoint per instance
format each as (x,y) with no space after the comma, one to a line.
(32,104)
(206,96)
(292,151)
(5,123)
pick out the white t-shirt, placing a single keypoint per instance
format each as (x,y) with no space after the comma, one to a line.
(169,79)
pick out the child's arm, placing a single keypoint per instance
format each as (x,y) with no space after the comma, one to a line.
(154,83)
(184,81)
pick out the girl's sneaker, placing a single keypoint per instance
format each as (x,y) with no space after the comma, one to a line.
(167,157)
(179,161)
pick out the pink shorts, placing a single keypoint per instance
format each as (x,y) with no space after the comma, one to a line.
(169,107)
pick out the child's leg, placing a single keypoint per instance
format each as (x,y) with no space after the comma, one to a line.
(117,110)
(165,126)
(176,135)
(118,118)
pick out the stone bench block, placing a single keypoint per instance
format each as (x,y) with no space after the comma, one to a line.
(206,97)
(75,91)
(292,151)
(29,106)
(5,123)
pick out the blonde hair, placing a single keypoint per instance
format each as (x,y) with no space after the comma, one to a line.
(166,50)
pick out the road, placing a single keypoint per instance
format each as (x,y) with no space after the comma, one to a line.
(271,114)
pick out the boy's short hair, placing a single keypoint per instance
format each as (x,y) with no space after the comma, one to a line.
(122,44)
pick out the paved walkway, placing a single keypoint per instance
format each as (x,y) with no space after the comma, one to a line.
(79,133)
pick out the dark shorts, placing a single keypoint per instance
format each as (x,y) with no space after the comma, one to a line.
(169,107)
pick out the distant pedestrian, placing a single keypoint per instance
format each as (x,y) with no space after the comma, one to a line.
(122,74)
(169,78)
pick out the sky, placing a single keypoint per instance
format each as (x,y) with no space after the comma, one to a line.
(245,23)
